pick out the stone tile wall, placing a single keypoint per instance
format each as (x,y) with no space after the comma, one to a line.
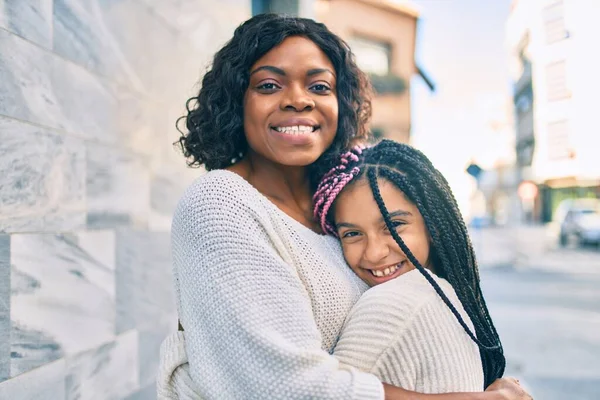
(89,94)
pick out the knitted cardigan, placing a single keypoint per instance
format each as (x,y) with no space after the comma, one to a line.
(262,299)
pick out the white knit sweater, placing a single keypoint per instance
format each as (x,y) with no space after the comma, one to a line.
(403,332)
(262,299)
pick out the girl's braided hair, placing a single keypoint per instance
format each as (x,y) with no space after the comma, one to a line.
(451,249)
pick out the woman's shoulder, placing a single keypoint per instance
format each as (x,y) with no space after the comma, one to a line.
(220,184)
(221,189)
(219,197)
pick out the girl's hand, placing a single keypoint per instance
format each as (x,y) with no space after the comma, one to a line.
(509,389)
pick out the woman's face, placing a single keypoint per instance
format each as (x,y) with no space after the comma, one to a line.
(291,107)
(368,246)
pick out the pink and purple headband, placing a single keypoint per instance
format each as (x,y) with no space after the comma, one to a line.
(332,184)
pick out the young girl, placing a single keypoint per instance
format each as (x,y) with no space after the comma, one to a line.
(429,330)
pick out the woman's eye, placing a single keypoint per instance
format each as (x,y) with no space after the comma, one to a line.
(268,86)
(320,88)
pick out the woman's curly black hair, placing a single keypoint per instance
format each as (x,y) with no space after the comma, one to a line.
(214,134)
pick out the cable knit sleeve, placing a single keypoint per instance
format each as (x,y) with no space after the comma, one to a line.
(249,328)
(432,355)
(402,332)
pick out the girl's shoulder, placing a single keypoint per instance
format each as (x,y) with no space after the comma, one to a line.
(407,293)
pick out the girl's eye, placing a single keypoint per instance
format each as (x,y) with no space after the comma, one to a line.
(349,234)
(396,224)
(268,86)
(320,87)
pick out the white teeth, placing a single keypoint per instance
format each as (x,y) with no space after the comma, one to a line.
(295,130)
(386,272)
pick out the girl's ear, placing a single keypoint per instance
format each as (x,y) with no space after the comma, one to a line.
(432,259)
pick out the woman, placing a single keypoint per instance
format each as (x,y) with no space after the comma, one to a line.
(427,324)
(261,294)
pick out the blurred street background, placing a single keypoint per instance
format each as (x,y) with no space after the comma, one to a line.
(500,94)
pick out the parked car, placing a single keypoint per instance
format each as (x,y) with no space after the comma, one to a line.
(579,219)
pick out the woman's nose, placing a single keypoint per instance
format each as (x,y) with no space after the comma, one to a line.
(297,99)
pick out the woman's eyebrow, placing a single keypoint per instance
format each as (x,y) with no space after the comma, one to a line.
(279,71)
(271,68)
(316,71)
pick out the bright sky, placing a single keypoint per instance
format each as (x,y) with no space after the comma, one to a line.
(460,44)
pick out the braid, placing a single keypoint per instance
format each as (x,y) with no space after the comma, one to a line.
(451,249)
(332,184)
(388,221)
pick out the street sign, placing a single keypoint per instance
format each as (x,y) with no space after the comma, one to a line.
(474,170)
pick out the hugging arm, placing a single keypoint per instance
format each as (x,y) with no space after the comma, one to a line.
(501,389)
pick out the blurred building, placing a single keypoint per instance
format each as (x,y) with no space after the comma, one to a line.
(556,84)
(493,160)
(382,35)
(303,8)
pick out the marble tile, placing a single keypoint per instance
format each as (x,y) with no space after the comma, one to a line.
(165,192)
(169,181)
(38,87)
(118,188)
(111,37)
(26,90)
(82,34)
(156,66)
(63,296)
(145,298)
(149,351)
(42,179)
(194,16)
(4,307)
(107,372)
(31,19)
(148,393)
(44,383)
(140,122)
(89,106)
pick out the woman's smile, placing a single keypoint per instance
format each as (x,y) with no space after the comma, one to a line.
(296,130)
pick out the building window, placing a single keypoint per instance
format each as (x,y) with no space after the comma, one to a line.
(289,7)
(554,22)
(372,56)
(558,140)
(556,79)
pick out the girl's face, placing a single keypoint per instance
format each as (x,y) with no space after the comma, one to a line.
(368,246)
(291,106)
